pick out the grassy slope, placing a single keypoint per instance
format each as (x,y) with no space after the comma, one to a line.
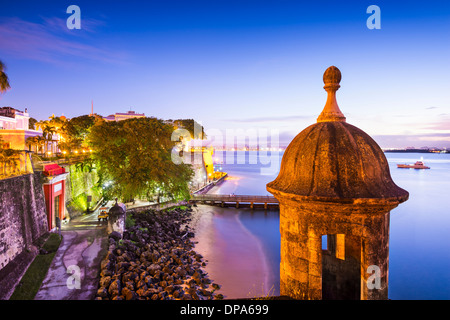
(32,280)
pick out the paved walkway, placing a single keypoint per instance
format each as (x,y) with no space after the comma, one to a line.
(74,272)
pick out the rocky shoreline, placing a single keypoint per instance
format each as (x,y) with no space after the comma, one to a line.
(155,260)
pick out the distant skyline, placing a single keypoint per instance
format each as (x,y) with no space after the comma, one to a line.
(235,64)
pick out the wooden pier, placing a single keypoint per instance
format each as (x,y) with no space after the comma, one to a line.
(237,201)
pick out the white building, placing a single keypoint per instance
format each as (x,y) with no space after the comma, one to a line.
(14,128)
(124,116)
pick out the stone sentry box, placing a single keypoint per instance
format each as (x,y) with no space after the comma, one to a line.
(334,180)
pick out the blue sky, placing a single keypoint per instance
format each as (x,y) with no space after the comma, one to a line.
(235,64)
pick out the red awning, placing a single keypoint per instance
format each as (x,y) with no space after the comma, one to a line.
(53,169)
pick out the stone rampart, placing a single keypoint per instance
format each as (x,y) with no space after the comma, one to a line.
(23,222)
(23,218)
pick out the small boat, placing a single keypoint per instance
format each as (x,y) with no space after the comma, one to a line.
(417,165)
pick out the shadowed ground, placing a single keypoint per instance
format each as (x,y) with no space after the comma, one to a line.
(83,247)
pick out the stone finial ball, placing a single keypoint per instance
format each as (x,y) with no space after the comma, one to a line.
(332,75)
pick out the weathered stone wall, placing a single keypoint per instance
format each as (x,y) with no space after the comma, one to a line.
(366,233)
(23,217)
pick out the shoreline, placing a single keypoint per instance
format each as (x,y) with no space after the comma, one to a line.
(154,259)
(235,256)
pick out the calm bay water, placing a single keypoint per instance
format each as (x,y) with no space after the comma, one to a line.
(419,260)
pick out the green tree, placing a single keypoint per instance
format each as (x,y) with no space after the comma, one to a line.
(47,132)
(57,123)
(32,123)
(38,142)
(75,131)
(52,126)
(9,159)
(195,129)
(4,81)
(134,158)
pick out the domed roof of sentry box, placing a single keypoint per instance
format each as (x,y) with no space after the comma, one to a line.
(116,210)
(332,160)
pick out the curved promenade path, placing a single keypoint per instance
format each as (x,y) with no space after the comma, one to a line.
(74,272)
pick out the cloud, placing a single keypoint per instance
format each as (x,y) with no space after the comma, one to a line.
(51,41)
(439,140)
(442,124)
(88,25)
(430,108)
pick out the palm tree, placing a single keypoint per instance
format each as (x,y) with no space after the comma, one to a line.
(31,142)
(41,143)
(46,128)
(51,127)
(36,141)
(47,132)
(4,82)
(58,124)
(2,143)
(9,159)
(3,160)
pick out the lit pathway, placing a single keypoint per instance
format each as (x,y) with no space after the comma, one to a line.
(79,256)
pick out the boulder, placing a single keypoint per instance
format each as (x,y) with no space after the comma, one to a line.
(105,281)
(115,235)
(102,292)
(155,297)
(114,288)
(153,268)
(169,289)
(128,294)
(153,260)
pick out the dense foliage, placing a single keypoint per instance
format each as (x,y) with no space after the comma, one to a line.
(133,159)
(4,81)
(195,129)
(74,132)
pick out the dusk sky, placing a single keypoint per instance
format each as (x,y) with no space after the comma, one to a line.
(235,64)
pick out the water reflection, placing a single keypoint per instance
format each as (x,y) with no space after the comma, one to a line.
(419,228)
